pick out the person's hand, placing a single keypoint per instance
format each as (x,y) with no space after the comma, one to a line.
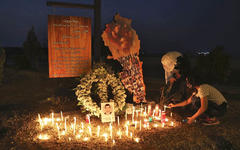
(171,105)
(172,80)
(109,57)
(190,120)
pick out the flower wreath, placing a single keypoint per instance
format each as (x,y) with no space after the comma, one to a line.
(103,79)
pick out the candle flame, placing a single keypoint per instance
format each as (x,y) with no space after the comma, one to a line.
(85,139)
(63,133)
(43,137)
(90,130)
(105,135)
(98,131)
(137,140)
(78,136)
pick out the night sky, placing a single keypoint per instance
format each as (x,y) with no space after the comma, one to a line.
(162,25)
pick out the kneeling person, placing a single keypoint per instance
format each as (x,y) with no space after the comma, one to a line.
(213,103)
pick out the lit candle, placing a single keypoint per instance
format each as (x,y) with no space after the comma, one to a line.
(43,137)
(74,125)
(63,133)
(136,139)
(144,125)
(110,127)
(140,125)
(133,114)
(90,130)
(126,130)
(85,139)
(105,135)
(149,109)
(153,113)
(61,115)
(52,118)
(157,110)
(46,120)
(39,118)
(40,121)
(160,113)
(58,130)
(119,133)
(113,142)
(98,131)
(163,124)
(65,124)
(163,117)
(164,108)
(118,120)
(145,114)
(78,136)
(172,124)
(148,125)
(80,131)
(82,125)
(126,115)
(171,114)
(131,135)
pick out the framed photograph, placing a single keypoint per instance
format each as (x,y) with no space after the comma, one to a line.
(107,112)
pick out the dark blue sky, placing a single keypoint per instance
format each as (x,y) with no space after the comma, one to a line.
(162,25)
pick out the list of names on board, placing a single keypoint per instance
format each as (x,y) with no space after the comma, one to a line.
(69,45)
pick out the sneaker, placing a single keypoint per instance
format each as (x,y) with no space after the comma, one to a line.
(210,122)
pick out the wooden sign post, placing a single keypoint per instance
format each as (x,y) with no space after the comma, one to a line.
(69,45)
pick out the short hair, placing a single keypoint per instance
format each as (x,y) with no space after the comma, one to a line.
(183,65)
(107,105)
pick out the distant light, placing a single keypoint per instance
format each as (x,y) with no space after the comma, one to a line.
(203,53)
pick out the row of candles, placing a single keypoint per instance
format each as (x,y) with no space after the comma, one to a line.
(81,129)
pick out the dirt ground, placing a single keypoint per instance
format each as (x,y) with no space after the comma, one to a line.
(24,94)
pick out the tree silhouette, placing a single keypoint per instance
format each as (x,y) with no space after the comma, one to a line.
(32,49)
(215,67)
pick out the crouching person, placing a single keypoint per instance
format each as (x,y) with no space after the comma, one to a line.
(211,106)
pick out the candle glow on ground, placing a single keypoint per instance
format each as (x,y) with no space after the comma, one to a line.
(66,128)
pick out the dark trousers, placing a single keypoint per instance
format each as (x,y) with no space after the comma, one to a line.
(213,109)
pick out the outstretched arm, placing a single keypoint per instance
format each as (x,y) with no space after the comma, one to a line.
(181,104)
